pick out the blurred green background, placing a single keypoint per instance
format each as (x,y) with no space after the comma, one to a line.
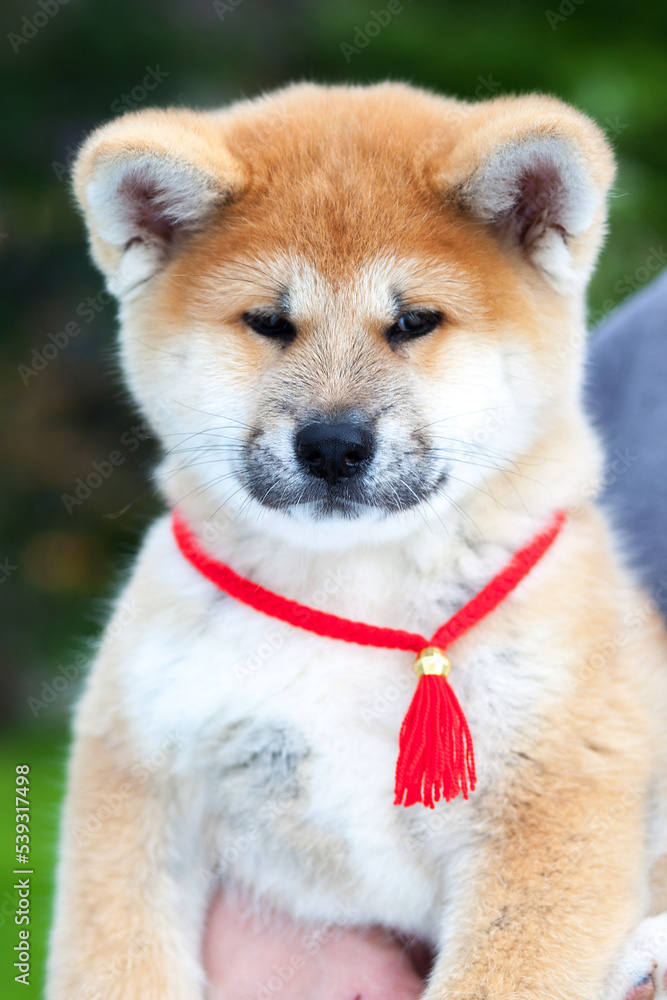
(67,66)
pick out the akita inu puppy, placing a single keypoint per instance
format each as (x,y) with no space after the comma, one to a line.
(355,318)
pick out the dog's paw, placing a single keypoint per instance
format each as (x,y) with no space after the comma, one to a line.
(641,970)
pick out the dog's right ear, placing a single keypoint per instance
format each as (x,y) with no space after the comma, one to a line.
(147,182)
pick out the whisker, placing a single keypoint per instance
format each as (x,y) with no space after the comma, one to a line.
(478,488)
(218,416)
(226,501)
(167,474)
(461,510)
(418,509)
(159,350)
(202,488)
(457,416)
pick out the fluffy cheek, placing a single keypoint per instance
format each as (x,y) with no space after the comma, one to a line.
(481,404)
(197,397)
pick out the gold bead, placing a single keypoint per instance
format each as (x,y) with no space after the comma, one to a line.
(432,661)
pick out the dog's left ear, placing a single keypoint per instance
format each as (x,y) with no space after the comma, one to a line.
(537,172)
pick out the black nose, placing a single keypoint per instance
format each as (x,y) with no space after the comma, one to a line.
(333,451)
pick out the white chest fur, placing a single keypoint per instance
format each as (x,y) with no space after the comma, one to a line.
(292,738)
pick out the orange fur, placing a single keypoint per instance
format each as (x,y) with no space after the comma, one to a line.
(333,186)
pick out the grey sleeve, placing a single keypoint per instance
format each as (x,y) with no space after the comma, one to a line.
(626,395)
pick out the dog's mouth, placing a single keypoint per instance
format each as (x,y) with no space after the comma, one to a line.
(333,507)
(345,500)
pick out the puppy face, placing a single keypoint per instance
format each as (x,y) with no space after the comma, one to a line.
(346,308)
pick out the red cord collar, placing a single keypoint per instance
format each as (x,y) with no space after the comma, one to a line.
(436,753)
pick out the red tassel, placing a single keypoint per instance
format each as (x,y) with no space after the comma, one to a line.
(436,756)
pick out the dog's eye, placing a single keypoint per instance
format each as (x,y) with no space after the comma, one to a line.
(414,324)
(271,325)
